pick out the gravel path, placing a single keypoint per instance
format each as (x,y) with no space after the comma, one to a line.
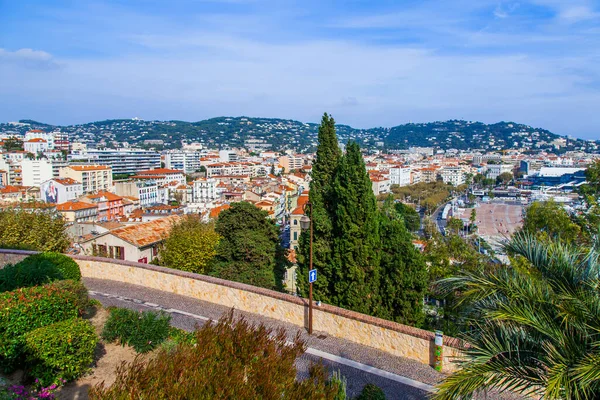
(187,313)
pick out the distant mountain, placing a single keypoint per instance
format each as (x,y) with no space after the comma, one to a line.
(283,134)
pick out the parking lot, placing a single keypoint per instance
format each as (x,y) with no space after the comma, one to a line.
(496,220)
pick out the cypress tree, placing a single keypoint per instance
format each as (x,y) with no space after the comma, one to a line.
(323,170)
(404,274)
(356,272)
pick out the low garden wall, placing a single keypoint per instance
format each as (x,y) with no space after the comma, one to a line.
(391,337)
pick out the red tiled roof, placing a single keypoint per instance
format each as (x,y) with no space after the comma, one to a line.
(88,167)
(74,206)
(147,233)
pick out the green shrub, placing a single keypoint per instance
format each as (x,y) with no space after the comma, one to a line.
(26,309)
(371,392)
(38,269)
(141,330)
(61,351)
(20,229)
(229,360)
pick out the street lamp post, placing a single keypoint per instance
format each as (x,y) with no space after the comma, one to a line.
(306,223)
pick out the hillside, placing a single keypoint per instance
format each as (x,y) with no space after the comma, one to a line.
(283,134)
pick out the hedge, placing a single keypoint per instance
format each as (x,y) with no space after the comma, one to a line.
(141,330)
(26,309)
(60,352)
(38,269)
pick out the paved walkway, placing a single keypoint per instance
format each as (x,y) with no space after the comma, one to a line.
(400,378)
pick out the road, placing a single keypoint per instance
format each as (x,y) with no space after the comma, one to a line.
(399,378)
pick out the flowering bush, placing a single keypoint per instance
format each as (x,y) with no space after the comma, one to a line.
(141,330)
(19,392)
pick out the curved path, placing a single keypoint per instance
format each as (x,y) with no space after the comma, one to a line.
(400,378)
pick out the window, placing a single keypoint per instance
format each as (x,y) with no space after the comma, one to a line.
(295,235)
(119,252)
(102,250)
(295,222)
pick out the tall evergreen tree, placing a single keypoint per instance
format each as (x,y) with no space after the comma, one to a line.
(404,275)
(356,242)
(323,171)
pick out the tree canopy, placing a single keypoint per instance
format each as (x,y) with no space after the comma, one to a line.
(41,231)
(550,219)
(191,245)
(249,250)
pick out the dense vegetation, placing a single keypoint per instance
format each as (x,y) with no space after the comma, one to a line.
(428,195)
(533,329)
(26,230)
(191,246)
(143,331)
(282,134)
(364,255)
(249,250)
(38,269)
(230,359)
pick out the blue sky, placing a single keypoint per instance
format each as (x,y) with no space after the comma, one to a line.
(369,63)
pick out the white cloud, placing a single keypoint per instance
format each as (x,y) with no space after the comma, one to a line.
(28,57)
(577,14)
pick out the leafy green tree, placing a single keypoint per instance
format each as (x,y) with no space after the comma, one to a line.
(323,171)
(411,217)
(41,231)
(13,144)
(455,225)
(191,245)
(404,277)
(504,178)
(249,250)
(356,240)
(550,219)
(534,330)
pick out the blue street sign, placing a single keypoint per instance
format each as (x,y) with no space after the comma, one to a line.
(312,275)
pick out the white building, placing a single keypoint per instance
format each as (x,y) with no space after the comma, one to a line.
(122,161)
(34,172)
(380,185)
(494,170)
(186,161)
(146,191)
(35,145)
(38,134)
(205,190)
(453,175)
(227,156)
(400,176)
(161,176)
(60,190)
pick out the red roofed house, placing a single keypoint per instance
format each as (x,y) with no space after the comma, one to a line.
(161,176)
(110,206)
(295,217)
(78,211)
(137,243)
(36,145)
(92,177)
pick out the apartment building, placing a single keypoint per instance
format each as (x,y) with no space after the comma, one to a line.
(400,176)
(39,134)
(121,161)
(289,163)
(161,176)
(186,161)
(92,177)
(78,211)
(145,191)
(110,205)
(34,172)
(494,170)
(453,175)
(205,190)
(35,145)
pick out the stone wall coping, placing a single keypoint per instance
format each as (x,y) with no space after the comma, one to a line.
(394,326)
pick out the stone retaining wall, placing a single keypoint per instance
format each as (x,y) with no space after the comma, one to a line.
(397,339)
